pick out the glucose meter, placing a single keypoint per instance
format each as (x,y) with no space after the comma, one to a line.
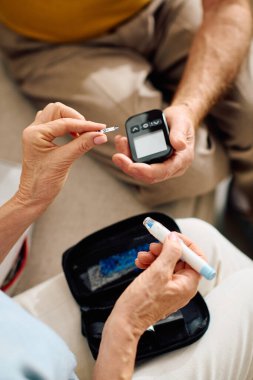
(148,137)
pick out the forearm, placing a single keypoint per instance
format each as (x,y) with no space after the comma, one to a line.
(117,352)
(216,55)
(15,218)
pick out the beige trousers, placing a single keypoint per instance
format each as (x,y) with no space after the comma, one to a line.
(134,68)
(225,352)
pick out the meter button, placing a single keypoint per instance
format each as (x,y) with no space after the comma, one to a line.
(156,122)
(145,126)
(135,129)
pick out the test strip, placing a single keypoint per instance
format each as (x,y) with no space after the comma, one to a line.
(110,129)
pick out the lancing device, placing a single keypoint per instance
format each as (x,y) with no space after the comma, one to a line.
(196,262)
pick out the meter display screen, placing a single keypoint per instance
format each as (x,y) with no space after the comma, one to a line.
(148,144)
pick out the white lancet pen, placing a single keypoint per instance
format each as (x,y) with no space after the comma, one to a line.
(196,262)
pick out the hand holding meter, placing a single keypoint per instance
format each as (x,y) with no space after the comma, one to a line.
(148,137)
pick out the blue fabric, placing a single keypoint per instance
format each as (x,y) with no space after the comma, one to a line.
(29,349)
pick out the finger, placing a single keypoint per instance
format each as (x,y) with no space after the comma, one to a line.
(170,254)
(155,248)
(122,161)
(54,111)
(143,172)
(191,276)
(145,258)
(140,265)
(174,166)
(183,269)
(60,127)
(180,125)
(167,169)
(135,170)
(121,145)
(180,265)
(178,139)
(191,245)
(37,115)
(81,145)
(74,134)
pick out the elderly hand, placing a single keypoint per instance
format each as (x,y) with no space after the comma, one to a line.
(182,137)
(165,286)
(45,164)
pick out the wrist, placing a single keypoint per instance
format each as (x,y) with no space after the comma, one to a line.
(38,186)
(187,106)
(126,329)
(118,345)
(26,202)
(16,216)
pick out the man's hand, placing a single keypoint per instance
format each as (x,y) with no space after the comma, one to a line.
(45,164)
(182,137)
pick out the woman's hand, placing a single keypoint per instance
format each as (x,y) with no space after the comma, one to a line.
(165,286)
(45,164)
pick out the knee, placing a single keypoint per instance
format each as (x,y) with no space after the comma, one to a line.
(204,228)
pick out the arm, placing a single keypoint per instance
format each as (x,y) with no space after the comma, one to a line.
(164,287)
(117,351)
(45,167)
(217,52)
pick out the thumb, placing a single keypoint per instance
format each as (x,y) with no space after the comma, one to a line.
(82,144)
(178,139)
(54,111)
(171,252)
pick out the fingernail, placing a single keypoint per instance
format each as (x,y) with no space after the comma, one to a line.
(74,134)
(100,140)
(173,236)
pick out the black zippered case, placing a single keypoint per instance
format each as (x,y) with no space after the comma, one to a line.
(101,266)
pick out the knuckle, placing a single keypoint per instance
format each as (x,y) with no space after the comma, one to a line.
(50,105)
(181,171)
(166,175)
(150,179)
(48,108)
(58,104)
(38,113)
(27,134)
